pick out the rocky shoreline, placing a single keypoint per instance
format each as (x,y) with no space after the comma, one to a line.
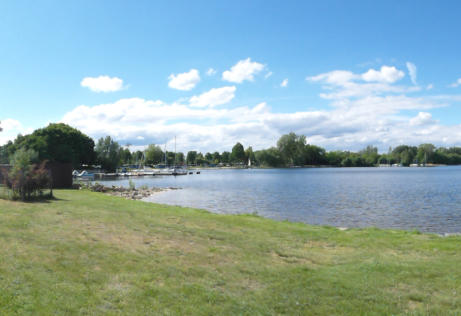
(130,193)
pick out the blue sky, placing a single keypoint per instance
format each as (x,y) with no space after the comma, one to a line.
(346,65)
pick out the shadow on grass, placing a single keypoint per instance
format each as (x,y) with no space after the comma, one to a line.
(6,194)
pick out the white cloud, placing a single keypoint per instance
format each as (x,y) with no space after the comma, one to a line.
(423,118)
(10,124)
(211,72)
(413,71)
(284,83)
(386,74)
(456,84)
(361,112)
(11,128)
(268,75)
(102,83)
(184,81)
(429,86)
(243,70)
(215,96)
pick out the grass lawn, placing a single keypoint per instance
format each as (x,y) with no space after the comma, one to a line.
(88,254)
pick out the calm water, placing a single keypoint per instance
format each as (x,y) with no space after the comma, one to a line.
(427,199)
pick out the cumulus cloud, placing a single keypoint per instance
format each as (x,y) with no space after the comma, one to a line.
(102,83)
(211,72)
(184,81)
(243,70)
(385,74)
(413,71)
(284,83)
(214,97)
(423,118)
(456,84)
(360,113)
(268,74)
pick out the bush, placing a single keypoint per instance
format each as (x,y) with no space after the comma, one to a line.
(27,178)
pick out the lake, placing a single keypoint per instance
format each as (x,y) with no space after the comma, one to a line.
(426,199)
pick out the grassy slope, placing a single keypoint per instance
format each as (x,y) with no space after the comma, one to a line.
(87,253)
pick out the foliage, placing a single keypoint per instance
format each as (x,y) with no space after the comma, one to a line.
(27,178)
(238,154)
(58,142)
(153,155)
(191,158)
(108,153)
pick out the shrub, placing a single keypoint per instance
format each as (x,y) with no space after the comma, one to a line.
(26,177)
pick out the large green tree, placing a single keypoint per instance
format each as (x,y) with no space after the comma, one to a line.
(59,142)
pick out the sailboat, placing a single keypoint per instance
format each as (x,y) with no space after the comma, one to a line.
(177,170)
(249,163)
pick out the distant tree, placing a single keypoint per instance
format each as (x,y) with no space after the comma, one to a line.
(238,154)
(370,155)
(269,157)
(216,157)
(225,157)
(425,153)
(209,157)
(108,153)
(249,155)
(125,156)
(200,159)
(153,154)
(404,154)
(314,155)
(137,157)
(180,158)
(291,147)
(191,158)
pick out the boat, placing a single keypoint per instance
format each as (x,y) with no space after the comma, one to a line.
(84,175)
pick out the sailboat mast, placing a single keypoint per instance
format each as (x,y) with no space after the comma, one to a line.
(175,150)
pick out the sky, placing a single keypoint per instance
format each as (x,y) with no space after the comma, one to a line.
(346,74)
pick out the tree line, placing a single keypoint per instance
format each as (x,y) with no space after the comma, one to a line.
(62,143)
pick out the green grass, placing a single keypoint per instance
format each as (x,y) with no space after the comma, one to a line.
(88,254)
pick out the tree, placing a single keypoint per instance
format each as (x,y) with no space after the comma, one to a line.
(59,142)
(125,156)
(108,153)
(425,153)
(269,157)
(216,157)
(137,157)
(225,157)
(249,154)
(291,146)
(238,153)
(370,155)
(153,154)
(26,177)
(191,158)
